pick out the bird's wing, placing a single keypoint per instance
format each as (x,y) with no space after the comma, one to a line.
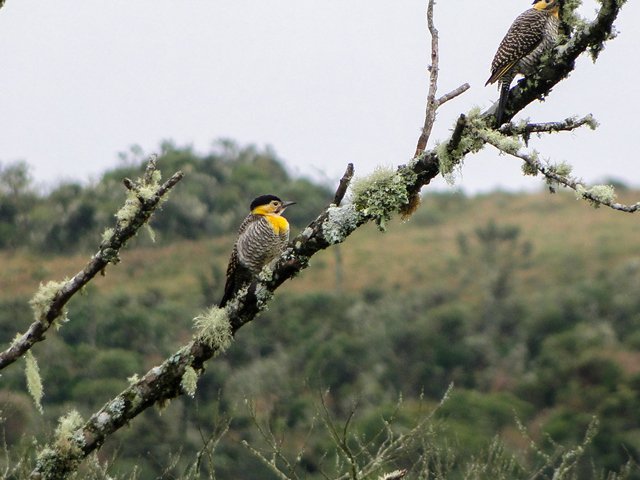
(236,272)
(524,35)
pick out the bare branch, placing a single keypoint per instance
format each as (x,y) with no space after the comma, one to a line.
(344,184)
(456,136)
(452,94)
(432,106)
(59,295)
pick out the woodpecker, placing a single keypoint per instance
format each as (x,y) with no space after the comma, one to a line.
(531,34)
(262,237)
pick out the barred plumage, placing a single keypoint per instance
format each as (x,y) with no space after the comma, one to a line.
(262,237)
(531,34)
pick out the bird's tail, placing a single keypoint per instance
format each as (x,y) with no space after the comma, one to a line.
(228,292)
(240,277)
(502,103)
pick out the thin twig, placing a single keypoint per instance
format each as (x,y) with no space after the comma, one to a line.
(452,94)
(571,183)
(432,106)
(344,184)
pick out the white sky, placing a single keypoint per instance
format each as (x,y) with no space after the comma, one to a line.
(323,82)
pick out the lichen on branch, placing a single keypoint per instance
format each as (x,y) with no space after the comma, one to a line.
(383,193)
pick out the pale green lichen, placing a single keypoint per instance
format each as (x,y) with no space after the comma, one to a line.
(68,446)
(147,192)
(381,194)
(133,379)
(34,381)
(507,144)
(562,168)
(340,222)
(102,420)
(117,406)
(128,211)
(107,234)
(69,439)
(189,382)
(156,176)
(529,169)
(451,160)
(266,274)
(214,329)
(596,195)
(68,424)
(570,17)
(16,339)
(591,122)
(151,232)
(42,300)
(263,296)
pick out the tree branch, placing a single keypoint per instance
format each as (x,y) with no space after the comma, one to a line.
(525,130)
(452,94)
(430,115)
(598,195)
(50,301)
(344,184)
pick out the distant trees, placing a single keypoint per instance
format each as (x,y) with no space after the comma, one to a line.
(213,202)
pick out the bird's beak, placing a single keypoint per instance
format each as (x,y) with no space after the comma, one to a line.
(285,205)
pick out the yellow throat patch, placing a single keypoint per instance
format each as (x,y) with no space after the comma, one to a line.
(278,223)
(542,5)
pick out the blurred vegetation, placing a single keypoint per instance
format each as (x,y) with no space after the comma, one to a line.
(221,184)
(527,303)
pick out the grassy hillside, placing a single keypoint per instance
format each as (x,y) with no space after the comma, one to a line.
(568,239)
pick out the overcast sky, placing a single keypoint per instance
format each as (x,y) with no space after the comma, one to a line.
(323,82)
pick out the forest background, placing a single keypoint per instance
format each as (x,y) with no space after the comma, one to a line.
(527,303)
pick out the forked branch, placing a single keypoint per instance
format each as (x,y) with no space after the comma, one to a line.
(50,301)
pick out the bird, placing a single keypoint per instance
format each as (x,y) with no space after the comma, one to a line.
(532,33)
(262,237)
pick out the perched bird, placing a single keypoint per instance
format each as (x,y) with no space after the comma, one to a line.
(262,237)
(531,34)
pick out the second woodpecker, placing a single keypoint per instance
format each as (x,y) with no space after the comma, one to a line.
(262,237)
(531,34)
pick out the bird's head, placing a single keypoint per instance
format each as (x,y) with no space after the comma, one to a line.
(268,204)
(547,5)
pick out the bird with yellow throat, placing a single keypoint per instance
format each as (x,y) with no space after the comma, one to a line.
(262,237)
